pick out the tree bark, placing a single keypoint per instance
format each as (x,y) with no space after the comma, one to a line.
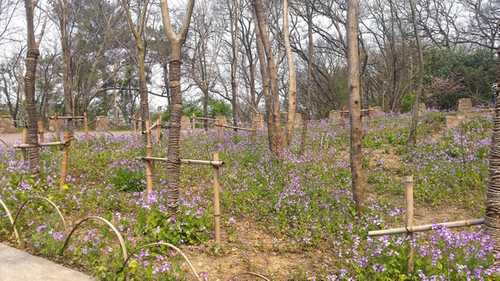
(173,154)
(265,86)
(412,138)
(234,14)
(63,14)
(492,216)
(274,124)
(358,184)
(292,77)
(29,90)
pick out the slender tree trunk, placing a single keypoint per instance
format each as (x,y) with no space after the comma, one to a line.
(274,128)
(173,154)
(67,86)
(29,90)
(252,85)
(143,87)
(234,62)
(412,139)
(205,105)
(265,87)
(310,60)
(492,216)
(292,77)
(358,184)
(165,81)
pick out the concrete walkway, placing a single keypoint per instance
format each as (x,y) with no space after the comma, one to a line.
(16,265)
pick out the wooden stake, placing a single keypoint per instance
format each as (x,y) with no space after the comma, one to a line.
(253,134)
(158,130)
(41,132)
(217,213)
(220,131)
(65,158)
(409,220)
(56,127)
(25,141)
(86,124)
(149,163)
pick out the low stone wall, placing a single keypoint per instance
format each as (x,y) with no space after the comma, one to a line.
(7,125)
(102,123)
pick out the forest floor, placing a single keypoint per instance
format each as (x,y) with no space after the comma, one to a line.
(288,220)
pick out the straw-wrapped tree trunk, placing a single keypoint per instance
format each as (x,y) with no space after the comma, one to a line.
(420,84)
(292,77)
(273,99)
(358,184)
(176,41)
(492,217)
(29,89)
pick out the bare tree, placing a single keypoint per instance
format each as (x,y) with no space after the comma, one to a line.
(271,75)
(358,184)
(8,10)
(11,84)
(138,33)
(420,84)
(292,76)
(234,15)
(176,41)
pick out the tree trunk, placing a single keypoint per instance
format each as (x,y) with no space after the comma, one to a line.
(29,90)
(310,59)
(234,62)
(143,87)
(176,41)
(412,139)
(205,104)
(274,124)
(492,216)
(358,184)
(67,87)
(292,77)
(265,86)
(174,164)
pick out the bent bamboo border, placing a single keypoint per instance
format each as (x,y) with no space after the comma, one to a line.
(191,267)
(9,215)
(101,219)
(31,200)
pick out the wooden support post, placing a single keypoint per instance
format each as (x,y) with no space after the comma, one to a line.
(25,141)
(409,221)
(253,134)
(57,127)
(86,124)
(65,158)
(217,213)
(158,130)
(220,131)
(149,163)
(41,132)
